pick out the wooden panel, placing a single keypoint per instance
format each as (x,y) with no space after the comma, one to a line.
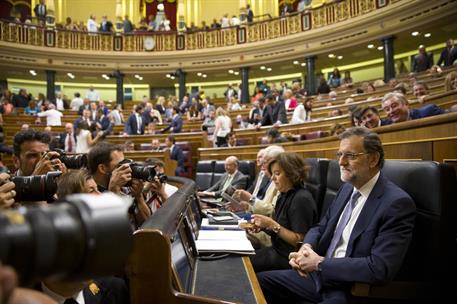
(445,150)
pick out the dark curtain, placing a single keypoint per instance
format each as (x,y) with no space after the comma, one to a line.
(21,6)
(170,10)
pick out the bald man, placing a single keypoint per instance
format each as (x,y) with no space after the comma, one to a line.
(232,177)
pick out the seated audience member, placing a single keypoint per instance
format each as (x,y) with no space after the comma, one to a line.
(363,236)
(295,213)
(129,146)
(157,192)
(103,162)
(32,108)
(176,121)
(231,140)
(155,145)
(436,71)
(420,90)
(176,153)
(396,107)
(290,102)
(53,117)
(232,177)
(32,155)
(335,113)
(302,112)
(273,136)
(369,118)
(402,87)
(337,129)
(450,82)
(262,181)
(256,204)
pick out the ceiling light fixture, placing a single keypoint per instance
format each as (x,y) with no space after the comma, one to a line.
(331,55)
(236,73)
(204,75)
(230,71)
(269,69)
(427,35)
(303,64)
(380,48)
(168,75)
(371,46)
(340,57)
(262,67)
(296,62)
(416,33)
(199,74)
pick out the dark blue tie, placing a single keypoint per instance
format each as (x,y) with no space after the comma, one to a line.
(347,212)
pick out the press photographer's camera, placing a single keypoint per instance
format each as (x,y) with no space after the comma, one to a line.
(144,172)
(72,239)
(36,187)
(76,161)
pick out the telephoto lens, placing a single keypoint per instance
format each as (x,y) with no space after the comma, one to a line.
(79,238)
(36,187)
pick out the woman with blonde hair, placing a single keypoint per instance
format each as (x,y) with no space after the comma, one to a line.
(223,125)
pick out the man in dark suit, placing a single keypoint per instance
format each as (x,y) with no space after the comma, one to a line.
(422,61)
(249,13)
(232,177)
(396,107)
(369,118)
(106,26)
(176,123)
(135,123)
(40,11)
(84,106)
(363,236)
(262,181)
(176,153)
(274,113)
(67,139)
(449,54)
(103,123)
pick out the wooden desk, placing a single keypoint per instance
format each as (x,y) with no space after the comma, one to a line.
(164,268)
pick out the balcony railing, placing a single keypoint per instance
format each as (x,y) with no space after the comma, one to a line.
(172,41)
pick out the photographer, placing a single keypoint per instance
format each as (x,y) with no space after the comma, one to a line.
(101,290)
(32,155)
(157,191)
(103,164)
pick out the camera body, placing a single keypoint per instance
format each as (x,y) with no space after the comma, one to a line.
(143,172)
(73,239)
(76,161)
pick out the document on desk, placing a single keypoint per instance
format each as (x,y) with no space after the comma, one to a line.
(224,241)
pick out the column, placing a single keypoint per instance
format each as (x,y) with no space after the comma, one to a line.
(389,63)
(244,98)
(51,85)
(182,83)
(311,73)
(119,87)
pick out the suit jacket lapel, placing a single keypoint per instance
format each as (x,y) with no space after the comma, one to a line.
(344,197)
(367,213)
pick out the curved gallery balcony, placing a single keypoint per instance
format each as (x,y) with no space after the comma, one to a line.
(314,31)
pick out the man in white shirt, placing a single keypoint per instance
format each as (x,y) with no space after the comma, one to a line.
(53,117)
(76,102)
(92,95)
(362,237)
(60,104)
(92,26)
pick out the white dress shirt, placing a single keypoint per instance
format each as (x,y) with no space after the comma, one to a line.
(52,117)
(365,190)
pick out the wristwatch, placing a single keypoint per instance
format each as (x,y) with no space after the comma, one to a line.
(276,229)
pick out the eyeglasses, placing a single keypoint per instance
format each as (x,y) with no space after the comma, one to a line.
(349,155)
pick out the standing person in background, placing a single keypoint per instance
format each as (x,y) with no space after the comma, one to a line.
(334,80)
(449,54)
(92,26)
(40,11)
(422,61)
(92,95)
(84,140)
(249,13)
(223,126)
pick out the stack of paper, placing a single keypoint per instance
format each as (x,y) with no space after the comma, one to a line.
(224,241)
(207,226)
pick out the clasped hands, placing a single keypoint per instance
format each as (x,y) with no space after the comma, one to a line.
(305,260)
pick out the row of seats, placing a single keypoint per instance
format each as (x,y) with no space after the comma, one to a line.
(431,256)
(210,171)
